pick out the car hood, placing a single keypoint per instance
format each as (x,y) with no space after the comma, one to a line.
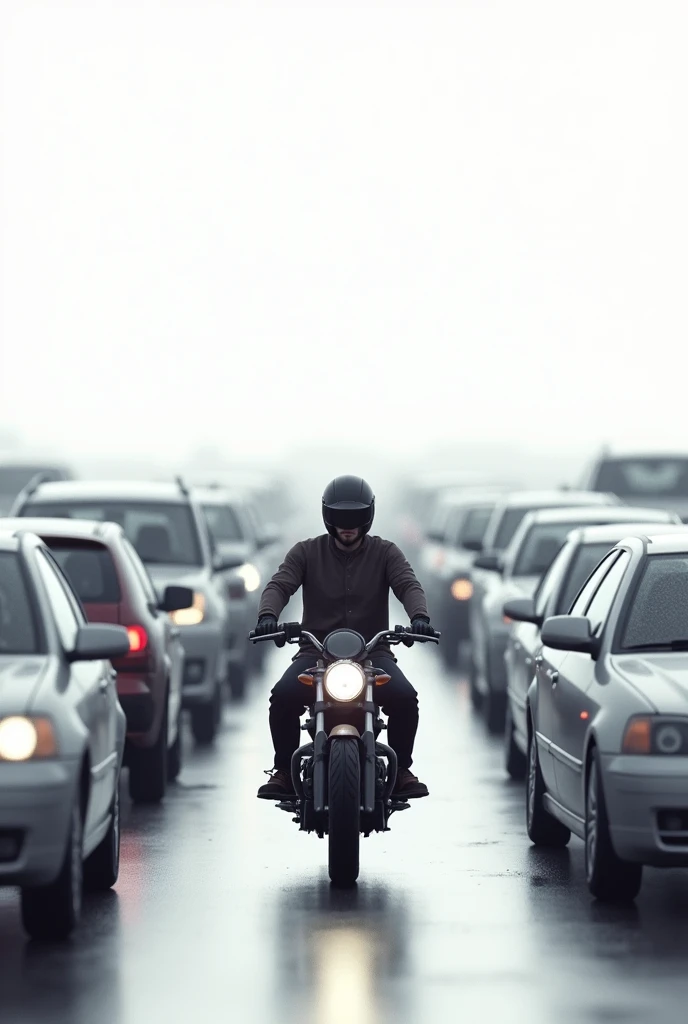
(679,505)
(20,677)
(194,576)
(661,678)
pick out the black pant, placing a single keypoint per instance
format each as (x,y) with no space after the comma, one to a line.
(290,698)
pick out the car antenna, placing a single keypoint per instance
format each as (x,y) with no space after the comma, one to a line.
(182,486)
(34,483)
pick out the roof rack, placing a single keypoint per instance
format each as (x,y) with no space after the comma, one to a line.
(179,480)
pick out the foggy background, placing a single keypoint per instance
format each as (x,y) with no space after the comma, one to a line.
(350,238)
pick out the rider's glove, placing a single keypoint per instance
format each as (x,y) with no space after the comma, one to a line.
(422,627)
(267,624)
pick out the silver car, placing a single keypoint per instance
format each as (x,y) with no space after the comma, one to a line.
(608,718)
(61,740)
(583,550)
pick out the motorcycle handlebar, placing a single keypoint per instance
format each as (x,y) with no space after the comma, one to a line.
(293,634)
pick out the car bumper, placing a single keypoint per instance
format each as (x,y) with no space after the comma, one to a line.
(35,806)
(204,661)
(638,792)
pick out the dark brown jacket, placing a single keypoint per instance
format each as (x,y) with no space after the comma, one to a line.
(344,590)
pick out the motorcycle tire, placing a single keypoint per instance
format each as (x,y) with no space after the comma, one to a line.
(344,799)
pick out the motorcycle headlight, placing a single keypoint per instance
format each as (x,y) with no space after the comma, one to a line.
(193,615)
(250,576)
(344,680)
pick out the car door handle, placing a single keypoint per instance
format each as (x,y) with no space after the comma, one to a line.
(553,676)
(104,684)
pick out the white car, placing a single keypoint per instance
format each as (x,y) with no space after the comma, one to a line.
(61,740)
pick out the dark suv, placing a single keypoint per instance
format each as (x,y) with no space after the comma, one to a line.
(168,530)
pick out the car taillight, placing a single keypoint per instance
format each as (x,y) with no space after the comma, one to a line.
(138,639)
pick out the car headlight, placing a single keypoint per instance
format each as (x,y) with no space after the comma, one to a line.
(344,680)
(650,734)
(193,615)
(22,738)
(250,576)
(461,589)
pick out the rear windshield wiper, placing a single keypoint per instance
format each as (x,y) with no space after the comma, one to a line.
(670,645)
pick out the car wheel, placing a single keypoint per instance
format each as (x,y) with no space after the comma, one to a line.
(237,681)
(476,695)
(101,869)
(148,769)
(175,754)
(609,878)
(494,712)
(515,760)
(52,911)
(205,718)
(543,829)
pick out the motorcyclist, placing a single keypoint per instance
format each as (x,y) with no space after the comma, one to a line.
(346,576)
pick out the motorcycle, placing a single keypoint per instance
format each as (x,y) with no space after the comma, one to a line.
(344,777)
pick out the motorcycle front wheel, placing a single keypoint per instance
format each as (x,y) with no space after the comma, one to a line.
(344,801)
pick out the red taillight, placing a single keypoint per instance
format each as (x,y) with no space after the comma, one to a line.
(138,639)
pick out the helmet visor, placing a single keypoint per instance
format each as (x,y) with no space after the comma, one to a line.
(347,515)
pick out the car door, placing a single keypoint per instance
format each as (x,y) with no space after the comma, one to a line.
(91,690)
(573,703)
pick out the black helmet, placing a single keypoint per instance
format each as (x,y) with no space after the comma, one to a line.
(348,503)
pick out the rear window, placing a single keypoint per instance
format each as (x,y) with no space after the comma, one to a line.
(659,611)
(17,625)
(223,523)
(90,569)
(655,478)
(474,524)
(163,533)
(587,558)
(541,547)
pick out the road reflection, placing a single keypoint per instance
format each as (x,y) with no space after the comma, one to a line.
(342,955)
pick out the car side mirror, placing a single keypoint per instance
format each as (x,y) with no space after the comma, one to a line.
(472,545)
(522,609)
(569,633)
(176,598)
(489,562)
(96,642)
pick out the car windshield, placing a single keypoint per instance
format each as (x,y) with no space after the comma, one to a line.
(584,561)
(656,478)
(223,523)
(541,546)
(163,533)
(659,611)
(472,528)
(89,568)
(508,525)
(17,626)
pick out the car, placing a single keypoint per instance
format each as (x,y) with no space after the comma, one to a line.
(16,475)
(583,550)
(168,530)
(445,564)
(113,585)
(608,718)
(61,740)
(494,578)
(639,478)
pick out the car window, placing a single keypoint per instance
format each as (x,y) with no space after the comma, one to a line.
(473,525)
(18,633)
(549,583)
(580,605)
(659,610)
(163,533)
(140,571)
(600,606)
(64,611)
(659,478)
(89,568)
(223,523)
(541,546)
(586,558)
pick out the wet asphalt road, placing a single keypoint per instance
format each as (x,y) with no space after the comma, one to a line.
(224,912)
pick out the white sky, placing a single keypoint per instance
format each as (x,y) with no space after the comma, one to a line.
(388,224)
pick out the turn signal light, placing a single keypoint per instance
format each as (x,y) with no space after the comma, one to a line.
(138,639)
(306,679)
(638,737)
(382,679)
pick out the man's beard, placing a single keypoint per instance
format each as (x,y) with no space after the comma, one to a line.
(349,542)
